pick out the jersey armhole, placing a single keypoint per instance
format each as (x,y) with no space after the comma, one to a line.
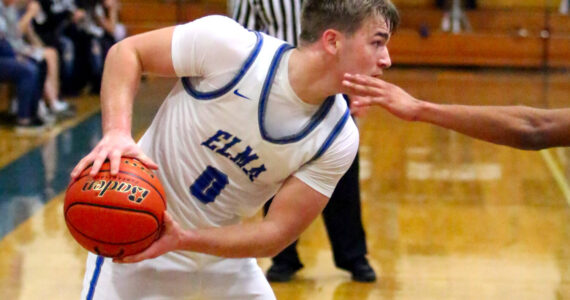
(221,91)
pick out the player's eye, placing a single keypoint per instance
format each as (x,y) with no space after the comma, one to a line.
(378,43)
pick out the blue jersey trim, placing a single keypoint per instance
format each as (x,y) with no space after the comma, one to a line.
(219,92)
(333,135)
(95,278)
(315,119)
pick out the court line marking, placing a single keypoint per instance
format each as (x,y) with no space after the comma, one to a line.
(557,173)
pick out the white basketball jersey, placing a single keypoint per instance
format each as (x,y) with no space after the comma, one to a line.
(216,160)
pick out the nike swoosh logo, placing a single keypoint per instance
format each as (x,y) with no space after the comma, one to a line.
(240,95)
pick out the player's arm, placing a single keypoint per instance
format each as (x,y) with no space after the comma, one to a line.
(125,63)
(516,126)
(294,207)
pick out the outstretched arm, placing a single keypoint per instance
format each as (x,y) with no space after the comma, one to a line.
(126,61)
(294,208)
(515,126)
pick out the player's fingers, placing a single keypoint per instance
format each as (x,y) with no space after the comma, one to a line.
(127,259)
(155,248)
(130,259)
(76,171)
(150,252)
(147,161)
(115,159)
(168,218)
(81,165)
(96,166)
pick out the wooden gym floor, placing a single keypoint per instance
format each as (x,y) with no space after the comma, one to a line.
(446,216)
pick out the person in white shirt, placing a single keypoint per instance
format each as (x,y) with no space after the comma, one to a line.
(251,117)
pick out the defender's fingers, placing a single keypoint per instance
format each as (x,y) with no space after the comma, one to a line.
(363,79)
(361,89)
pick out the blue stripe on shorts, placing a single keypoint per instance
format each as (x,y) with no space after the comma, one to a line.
(95,277)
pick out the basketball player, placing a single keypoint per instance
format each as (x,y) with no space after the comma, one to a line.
(515,126)
(249,118)
(342,215)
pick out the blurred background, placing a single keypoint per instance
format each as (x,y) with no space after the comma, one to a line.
(446,216)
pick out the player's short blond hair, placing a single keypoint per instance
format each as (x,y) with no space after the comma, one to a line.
(345,16)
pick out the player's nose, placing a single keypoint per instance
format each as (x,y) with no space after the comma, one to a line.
(384,61)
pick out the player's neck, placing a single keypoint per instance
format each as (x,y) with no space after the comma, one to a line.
(310,77)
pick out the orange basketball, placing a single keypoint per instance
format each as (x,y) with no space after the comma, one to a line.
(115,216)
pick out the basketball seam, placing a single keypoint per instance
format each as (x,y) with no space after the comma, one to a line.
(112,207)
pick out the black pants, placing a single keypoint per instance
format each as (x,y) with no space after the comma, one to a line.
(343,223)
(446,4)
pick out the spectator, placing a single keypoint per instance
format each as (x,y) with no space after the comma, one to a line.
(54,106)
(52,24)
(107,16)
(69,27)
(25,73)
(454,17)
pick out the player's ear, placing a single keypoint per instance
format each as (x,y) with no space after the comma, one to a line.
(331,41)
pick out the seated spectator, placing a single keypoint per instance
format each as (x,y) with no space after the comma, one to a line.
(454,18)
(53,106)
(82,31)
(24,71)
(99,39)
(52,24)
(108,16)
(66,26)
(28,79)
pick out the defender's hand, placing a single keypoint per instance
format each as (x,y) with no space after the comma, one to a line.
(367,91)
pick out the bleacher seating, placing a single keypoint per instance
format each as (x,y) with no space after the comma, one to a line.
(505,33)
(144,15)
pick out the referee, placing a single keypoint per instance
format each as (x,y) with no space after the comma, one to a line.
(278,18)
(281,18)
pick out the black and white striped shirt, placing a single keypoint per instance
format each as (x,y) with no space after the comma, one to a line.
(279,18)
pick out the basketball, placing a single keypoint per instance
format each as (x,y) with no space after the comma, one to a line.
(115,216)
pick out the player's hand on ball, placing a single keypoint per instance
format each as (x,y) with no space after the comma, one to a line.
(169,240)
(113,146)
